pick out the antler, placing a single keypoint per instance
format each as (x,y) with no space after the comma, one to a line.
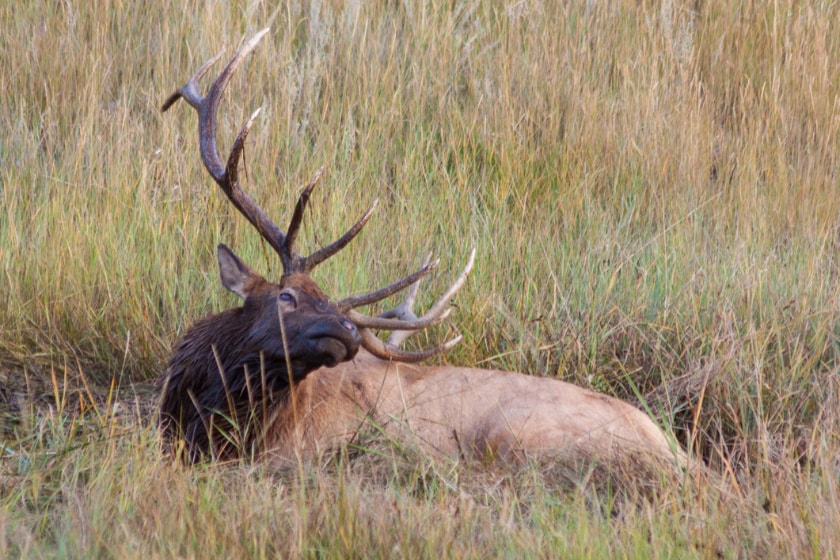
(401,319)
(227,176)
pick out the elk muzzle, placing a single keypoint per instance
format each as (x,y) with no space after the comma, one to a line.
(333,340)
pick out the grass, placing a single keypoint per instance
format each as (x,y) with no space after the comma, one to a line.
(651,187)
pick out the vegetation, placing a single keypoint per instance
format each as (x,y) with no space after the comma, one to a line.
(652,188)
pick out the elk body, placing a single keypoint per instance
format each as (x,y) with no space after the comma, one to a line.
(291,374)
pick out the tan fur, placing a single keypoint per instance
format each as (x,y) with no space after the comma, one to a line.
(459,413)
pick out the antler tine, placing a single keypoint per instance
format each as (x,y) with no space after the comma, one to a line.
(386,351)
(297,216)
(232,169)
(190,90)
(406,308)
(442,304)
(324,253)
(380,322)
(299,262)
(347,304)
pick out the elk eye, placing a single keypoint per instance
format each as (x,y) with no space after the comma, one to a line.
(287,297)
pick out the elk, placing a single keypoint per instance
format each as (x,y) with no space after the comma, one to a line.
(292,374)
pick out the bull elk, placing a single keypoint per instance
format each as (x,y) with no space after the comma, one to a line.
(291,374)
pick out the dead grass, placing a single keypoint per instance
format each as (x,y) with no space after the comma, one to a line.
(651,187)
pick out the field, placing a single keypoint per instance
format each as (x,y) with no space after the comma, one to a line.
(652,190)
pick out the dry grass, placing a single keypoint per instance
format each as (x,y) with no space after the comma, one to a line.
(652,189)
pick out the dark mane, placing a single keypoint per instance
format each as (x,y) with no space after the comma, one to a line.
(218,389)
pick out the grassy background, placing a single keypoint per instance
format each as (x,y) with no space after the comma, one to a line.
(651,188)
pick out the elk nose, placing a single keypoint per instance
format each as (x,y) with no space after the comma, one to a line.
(353,333)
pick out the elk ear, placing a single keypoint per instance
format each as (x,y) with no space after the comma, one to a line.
(237,276)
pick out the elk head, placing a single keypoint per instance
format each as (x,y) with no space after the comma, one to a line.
(291,322)
(283,330)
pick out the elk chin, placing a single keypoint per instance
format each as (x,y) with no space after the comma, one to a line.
(321,352)
(333,351)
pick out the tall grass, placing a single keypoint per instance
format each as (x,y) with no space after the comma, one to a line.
(651,187)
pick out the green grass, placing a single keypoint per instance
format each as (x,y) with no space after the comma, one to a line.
(652,189)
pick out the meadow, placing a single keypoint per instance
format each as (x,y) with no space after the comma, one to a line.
(651,188)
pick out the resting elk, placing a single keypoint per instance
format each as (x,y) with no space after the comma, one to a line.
(292,374)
